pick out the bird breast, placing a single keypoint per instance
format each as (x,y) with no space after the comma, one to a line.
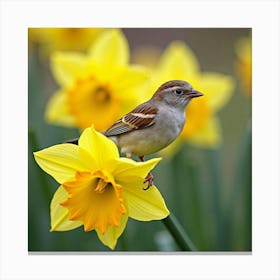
(168,125)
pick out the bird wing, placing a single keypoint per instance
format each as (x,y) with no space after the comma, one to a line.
(141,117)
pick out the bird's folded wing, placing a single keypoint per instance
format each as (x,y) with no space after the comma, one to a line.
(141,117)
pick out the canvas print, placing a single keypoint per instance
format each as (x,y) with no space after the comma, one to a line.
(139,140)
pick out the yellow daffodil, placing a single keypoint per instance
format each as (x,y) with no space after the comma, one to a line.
(96,88)
(99,190)
(244,63)
(202,126)
(63,39)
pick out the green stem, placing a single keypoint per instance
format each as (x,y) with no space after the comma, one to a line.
(240,205)
(215,169)
(178,233)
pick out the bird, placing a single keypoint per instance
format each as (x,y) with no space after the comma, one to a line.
(154,124)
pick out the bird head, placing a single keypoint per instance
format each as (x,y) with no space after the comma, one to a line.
(176,93)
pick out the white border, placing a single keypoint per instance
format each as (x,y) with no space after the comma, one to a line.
(262,16)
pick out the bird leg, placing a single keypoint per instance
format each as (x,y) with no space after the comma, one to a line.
(149,179)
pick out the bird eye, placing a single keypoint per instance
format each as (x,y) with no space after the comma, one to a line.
(179,91)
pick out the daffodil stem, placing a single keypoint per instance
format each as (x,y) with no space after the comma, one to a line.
(179,234)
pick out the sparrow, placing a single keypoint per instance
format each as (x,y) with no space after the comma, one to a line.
(153,125)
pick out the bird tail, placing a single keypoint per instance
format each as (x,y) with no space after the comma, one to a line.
(76,140)
(73,141)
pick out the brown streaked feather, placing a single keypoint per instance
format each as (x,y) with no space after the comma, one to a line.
(141,117)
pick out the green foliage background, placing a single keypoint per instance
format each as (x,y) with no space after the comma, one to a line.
(209,191)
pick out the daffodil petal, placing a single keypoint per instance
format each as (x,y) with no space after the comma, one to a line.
(110,237)
(130,77)
(59,214)
(57,111)
(127,171)
(209,136)
(110,50)
(178,62)
(217,88)
(98,146)
(145,205)
(66,67)
(63,161)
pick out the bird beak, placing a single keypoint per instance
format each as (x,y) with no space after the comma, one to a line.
(194,93)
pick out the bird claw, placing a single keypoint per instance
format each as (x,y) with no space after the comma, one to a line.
(150,180)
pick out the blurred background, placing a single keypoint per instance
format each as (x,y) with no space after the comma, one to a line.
(208,189)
